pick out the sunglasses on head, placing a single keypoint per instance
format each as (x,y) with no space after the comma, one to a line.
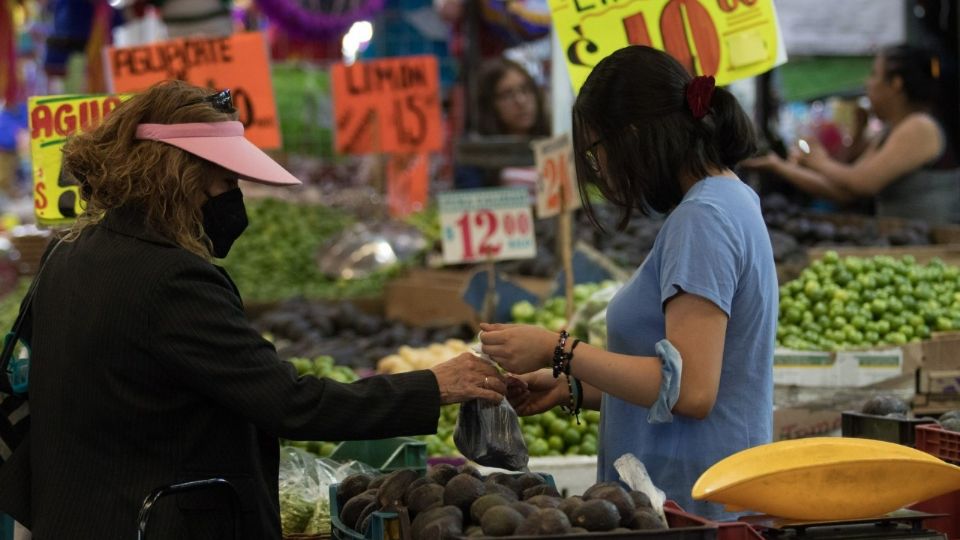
(221,101)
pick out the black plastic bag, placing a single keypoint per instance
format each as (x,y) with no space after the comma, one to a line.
(489,434)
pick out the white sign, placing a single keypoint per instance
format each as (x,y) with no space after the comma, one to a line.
(847,27)
(486,225)
(556,184)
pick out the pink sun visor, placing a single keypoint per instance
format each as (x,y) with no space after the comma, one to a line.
(222,143)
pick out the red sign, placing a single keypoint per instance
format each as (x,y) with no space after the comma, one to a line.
(238,62)
(390,105)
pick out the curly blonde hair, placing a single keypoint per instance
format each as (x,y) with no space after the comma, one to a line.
(115,169)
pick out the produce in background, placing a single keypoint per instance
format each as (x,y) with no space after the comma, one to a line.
(413,358)
(321,366)
(301,328)
(275,258)
(451,503)
(10,304)
(552,315)
(950,420)
(855,303)
(553,433)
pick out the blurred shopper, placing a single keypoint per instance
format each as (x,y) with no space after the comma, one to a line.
(910,170)
(509,103)
(145,371)
(688,377)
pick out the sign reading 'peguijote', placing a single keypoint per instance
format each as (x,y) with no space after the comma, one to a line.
(238,62)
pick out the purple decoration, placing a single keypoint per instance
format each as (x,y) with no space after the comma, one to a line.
(300,22)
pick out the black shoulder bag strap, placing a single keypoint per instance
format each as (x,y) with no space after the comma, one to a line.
(11,339)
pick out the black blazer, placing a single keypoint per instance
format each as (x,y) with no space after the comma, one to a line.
(146,372)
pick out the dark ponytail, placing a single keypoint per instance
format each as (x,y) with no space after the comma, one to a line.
(919,70)
(733,133)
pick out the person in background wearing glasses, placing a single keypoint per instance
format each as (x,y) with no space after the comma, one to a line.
(688,377)
(510,103)
(145,371)
(910,171)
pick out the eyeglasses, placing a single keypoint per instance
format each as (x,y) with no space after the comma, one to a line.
(592,160)
(221,101)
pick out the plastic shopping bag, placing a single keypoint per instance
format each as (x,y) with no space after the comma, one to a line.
(489,434)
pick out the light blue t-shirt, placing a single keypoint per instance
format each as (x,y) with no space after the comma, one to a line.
(714,245)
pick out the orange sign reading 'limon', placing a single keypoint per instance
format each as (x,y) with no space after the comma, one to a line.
(390,105)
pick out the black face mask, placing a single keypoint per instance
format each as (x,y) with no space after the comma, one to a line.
(224,220)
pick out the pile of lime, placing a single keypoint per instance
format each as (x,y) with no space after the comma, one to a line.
(855,303)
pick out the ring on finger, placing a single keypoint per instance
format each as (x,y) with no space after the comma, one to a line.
(485,382)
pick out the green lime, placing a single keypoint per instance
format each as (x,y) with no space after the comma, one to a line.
(571,437)
(588,448)
(573,450)
(558,427)
(555,442)
(535,430)
(538,447)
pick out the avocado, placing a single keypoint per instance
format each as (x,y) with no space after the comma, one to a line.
(445,528)
(473,530)
(498,478)
(885,405)
(547,521)
(596,515)
(425,518)
(466,468)
(501,521)
(376,482)
(461,491)
(365,524)
(424,498)
(640,500)
(485,503)
(503,491)
(646,519)
(526,481)
(619,497)
(588,494)
(578,530)
(442,473)
(544,501)
(568,505)
(525,509)
(351,486)
(542,489)
(364,514)
(414,485)
(351,511)
(395,486)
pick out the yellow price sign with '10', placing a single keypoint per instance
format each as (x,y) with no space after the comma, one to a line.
(52,119)
(729,39)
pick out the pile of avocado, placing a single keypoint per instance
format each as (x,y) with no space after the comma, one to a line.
(454,502)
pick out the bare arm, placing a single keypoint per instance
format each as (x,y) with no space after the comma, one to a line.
(913,143)
(694,325)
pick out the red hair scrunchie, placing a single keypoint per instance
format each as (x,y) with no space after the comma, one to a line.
(700,94)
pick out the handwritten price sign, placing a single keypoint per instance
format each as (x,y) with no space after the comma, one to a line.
(729,39)
(487,224)
(556,186)
(388,105)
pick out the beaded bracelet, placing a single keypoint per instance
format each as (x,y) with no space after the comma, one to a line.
(559,355)
(576,398)
(568,357)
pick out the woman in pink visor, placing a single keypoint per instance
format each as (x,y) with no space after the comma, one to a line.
(144,369)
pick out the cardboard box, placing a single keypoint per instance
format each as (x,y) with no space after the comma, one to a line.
(844,369)
(801,412)
(939,372)
(428,297)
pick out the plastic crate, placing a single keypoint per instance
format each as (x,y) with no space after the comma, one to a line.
(386,455)
(942,443)
(737,530)
(881,428)
(948,503)
(6,527)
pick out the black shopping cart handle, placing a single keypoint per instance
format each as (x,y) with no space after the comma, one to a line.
(196,485)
